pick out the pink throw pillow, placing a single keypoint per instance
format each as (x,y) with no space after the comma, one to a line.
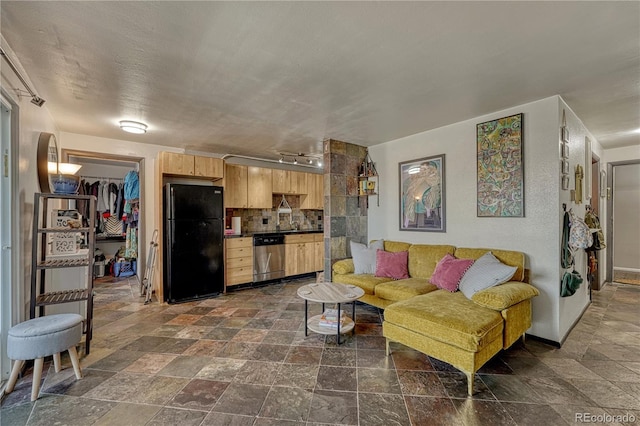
(449,272)
(392,265)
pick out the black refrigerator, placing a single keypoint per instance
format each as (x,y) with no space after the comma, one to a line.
(193,242)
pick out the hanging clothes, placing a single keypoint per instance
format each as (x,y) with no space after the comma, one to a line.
(593,222)
(101,205)
(131,186)
(113,195)
(120,201)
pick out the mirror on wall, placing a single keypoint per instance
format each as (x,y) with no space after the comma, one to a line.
(47,160)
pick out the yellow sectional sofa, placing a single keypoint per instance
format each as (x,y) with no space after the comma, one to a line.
(447,326)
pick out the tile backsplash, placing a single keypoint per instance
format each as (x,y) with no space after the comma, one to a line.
(265,220)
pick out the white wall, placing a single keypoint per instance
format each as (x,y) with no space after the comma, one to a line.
(626,225)
(32,121)
(570,308)
(622,154)
(538,234)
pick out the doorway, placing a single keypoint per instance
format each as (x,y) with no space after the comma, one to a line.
(8,288)
(108,169)
(623,226)
(594,257)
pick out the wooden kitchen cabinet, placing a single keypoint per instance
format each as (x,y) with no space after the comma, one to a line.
(259,188)
(235,186)
(318,254)
(208,167)
(239,261)
(177,164)
(314,200)
(289,182)
(191,165)
(298,183)
(300,254)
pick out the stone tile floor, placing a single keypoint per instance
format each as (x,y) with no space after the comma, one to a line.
(243,359)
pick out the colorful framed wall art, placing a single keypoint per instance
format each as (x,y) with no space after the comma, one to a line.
(500,171)
(422,194)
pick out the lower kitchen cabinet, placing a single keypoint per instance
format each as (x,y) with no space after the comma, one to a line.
(239,261)
(318,255)
(300,254)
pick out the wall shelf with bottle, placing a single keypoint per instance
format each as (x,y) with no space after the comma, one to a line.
(368,184)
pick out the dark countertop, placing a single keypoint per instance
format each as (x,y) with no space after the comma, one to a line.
(287,232)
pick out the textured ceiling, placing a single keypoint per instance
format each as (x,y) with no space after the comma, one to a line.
(258,78)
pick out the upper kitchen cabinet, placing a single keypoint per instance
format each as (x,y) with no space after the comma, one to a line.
(314,200)
(235,186)
(289,182)
(208,167)
(177,164)
(191,165)
(259,188)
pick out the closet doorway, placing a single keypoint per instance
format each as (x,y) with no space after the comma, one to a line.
(115,238)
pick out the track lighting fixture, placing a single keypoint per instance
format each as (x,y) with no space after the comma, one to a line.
(301,159)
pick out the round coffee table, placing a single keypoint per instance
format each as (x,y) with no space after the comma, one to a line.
(329,293)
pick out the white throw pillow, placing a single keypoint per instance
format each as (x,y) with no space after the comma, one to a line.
(485,272)
(364,258)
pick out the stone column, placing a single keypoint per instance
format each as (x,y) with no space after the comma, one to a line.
(345,213)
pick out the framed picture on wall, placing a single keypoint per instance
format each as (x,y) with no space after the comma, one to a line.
(422,195)
(565,150)
(565,182)
(603,184)
(500,185)
(564,131)
(565,167)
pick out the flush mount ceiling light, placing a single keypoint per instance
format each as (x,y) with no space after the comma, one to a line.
(133,127)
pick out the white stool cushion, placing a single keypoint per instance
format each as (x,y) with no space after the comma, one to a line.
(44,336)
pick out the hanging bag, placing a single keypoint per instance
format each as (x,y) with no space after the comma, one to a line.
(566,258)
(579,234)
(570,283)
(593,222)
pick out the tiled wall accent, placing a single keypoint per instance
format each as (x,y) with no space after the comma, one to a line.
(345,216)
(253,220)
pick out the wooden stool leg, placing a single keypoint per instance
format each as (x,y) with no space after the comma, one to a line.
(73,354)
(15,371)
(56,362)
(37,375)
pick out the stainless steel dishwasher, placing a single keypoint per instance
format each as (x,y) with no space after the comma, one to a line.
(268,257)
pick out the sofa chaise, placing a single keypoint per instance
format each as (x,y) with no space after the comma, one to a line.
(446,325)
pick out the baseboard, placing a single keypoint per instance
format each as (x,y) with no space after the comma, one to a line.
(615,268)
(574,324)
(543,340)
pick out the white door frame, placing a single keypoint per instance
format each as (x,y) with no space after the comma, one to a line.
(9,289)
(611,193)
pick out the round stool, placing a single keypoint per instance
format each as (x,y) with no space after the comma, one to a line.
(41,337)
